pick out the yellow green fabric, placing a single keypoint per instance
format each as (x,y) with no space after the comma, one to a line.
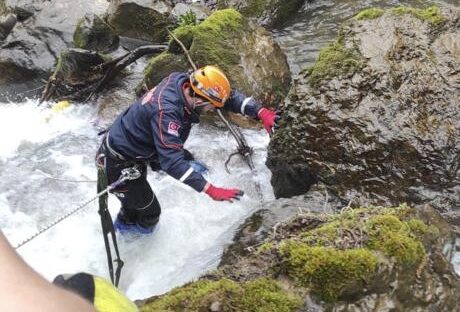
(108,299)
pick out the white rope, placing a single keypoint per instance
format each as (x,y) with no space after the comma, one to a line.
(62,218)
(62,179)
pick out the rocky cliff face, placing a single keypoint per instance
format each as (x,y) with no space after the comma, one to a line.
(376,118)
(140,19)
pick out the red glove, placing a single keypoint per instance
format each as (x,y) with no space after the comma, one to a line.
(220,194)
(268,119)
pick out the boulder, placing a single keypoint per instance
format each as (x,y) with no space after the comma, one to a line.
(140,19)
(376,118)
(92,33)
(252,60)
(366,259)
(30,51)
(271,13)
(7,23)
(25,54)
(24,9)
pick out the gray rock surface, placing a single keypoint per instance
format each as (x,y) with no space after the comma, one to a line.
(377,119)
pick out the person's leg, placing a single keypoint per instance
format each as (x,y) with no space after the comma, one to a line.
(138,202)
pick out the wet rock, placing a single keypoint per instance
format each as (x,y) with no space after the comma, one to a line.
(27,54)
(7,23)
(376,118)
(272,14)
(30,52)
(140,19)
(249,56)
(92,33)
(366,259)
(24,9)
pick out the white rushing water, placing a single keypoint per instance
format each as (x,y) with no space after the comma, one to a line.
(193,229)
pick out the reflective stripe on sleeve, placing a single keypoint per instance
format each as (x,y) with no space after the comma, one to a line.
(245,102)
(186,174)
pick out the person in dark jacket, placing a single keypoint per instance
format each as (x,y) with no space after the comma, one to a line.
(153,131)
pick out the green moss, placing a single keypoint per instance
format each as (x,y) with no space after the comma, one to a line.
(431,14)
(325,235)
(395,239)
(418,227)
(254,296)
(371,13)
(263,295)
(78,37)
(264,247)
(210,42)
(333,61)
(162,65)
(328,271)
(385,230)
(189,18)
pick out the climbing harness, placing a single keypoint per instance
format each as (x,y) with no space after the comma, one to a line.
(108,230)
(107,225)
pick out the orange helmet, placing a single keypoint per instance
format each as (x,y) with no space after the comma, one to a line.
(211,83)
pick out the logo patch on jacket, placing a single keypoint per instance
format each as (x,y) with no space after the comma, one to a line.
(173,128)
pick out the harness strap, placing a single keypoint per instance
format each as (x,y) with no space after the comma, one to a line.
(108,228)
(112,152)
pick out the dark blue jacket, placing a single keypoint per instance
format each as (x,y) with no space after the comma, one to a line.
(156,127)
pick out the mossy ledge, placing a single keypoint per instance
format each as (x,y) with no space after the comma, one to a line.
(370,13)
(333,61)
(258,295)
(337,257)
(431,14)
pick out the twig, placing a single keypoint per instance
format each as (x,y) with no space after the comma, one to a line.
(187,54)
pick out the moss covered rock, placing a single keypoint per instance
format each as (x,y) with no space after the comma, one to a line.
(92,33)
(370,13)
(226,295)
(431,14)
(375,118)
(140,19)
(270,13)
(252,60)
(368,258)
(76,69)
(7,22)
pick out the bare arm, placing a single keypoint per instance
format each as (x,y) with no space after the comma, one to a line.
(23,289)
